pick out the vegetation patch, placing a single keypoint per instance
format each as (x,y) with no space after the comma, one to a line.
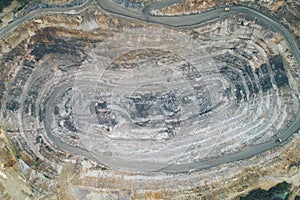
(5,3)
(278,192)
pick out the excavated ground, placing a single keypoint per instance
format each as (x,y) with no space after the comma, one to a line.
(119,100)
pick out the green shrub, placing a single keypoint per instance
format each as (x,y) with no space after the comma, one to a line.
(4,3)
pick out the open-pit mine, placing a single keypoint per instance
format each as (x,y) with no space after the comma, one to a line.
(111,100)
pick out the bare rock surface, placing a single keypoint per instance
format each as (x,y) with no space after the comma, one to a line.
(100,107)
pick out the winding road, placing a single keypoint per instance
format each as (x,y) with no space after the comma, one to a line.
(175,22)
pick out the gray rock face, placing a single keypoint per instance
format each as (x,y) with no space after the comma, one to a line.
(147,98)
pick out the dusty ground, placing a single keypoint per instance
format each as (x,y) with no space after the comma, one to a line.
(57,2)
(36,169)
(12,182)
(7,14)
(286,11)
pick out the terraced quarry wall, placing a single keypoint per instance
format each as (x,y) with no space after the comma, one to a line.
(106,102)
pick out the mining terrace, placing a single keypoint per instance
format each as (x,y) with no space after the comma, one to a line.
(147,100)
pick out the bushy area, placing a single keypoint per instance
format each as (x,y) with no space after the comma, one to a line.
(23,2)
(278,192)
(5,3)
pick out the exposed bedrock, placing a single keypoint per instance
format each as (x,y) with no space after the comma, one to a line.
(147,98)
